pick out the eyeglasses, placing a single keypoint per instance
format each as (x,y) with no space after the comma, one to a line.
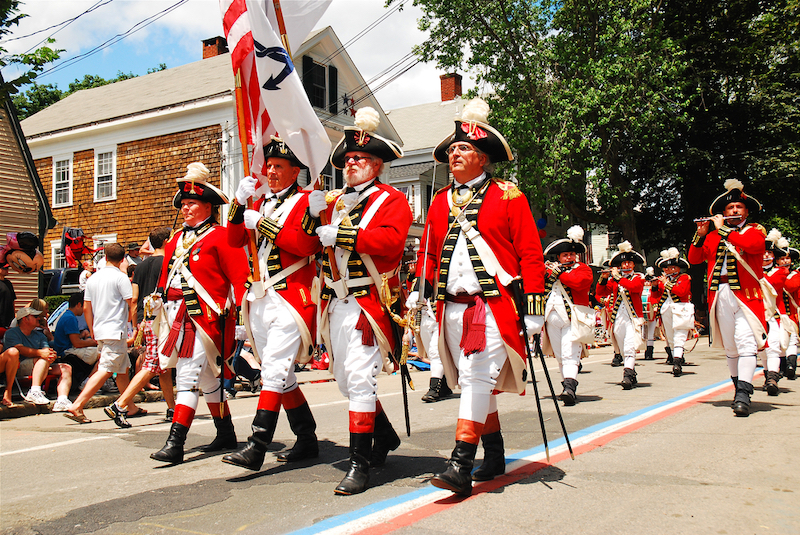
(462,148)
(356,159)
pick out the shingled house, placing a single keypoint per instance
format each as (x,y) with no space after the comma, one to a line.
(108,157)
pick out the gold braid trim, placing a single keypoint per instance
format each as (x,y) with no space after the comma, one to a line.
(346,237)
(269,228)
(510,190)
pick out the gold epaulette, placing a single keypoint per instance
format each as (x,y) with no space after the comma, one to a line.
(331,195)
(441,190)
(759,227)
(510,190)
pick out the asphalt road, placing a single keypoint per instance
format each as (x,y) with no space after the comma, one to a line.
(666,457)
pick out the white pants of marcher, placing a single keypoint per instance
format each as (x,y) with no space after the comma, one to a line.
(478,372)
(277,340)
(651,332)
(192,374)
(567,350)
(771,355)
(355,366)
(429,337)
(792,349)
(676,338)
(625,333)
(737,336)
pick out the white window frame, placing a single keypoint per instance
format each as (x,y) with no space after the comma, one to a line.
(102,239)
(57,259)
(56,159)
(97,153)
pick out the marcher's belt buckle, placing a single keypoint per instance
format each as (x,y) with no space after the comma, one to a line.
(339,287)
(256,290)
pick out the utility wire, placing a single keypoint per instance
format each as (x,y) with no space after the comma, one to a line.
(60,26)
(363,32)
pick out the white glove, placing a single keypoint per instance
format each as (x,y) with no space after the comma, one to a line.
(246,189)
(241,333)
(251,219)
(412,302)
(316,203)
(533,324)
(327,235)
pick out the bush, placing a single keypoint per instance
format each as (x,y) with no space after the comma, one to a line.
(54,301)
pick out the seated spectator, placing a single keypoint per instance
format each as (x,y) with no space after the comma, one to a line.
(36,358)
(44,328)
(72,344)
(9,363)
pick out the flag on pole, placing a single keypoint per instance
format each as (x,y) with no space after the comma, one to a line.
(275,100)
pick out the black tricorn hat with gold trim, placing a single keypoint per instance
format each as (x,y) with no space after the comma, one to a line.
(362,138)
(572,243)
(195,185)
(277,148)
(473,128)
(734,192)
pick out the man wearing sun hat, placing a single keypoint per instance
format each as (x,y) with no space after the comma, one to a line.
(568,283)
(625,285)
(279,314)
(365,235)
(734,251)
(674,306)
(202,279)
(481,237)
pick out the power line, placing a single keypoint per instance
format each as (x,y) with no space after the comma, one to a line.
(62,24)
(363,32)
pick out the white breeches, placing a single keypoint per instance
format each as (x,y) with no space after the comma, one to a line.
(737,336)
(651,332)
(277,340)
(429,338)
(193,374)
(792,349)
(478,372)
(355,366)
(676,338)
(625,333)
(566,350)
(771,355)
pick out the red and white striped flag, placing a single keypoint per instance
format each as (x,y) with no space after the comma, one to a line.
(275,102)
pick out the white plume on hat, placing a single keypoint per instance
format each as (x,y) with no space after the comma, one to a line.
(196,171)
(783,243)
(476,110)
(367,119)
(625,247)
(668,254)
(732,184)
(774,235)
(575,233)
(650,271)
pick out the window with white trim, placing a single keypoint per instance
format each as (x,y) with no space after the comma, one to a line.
(98,241)
(62,181)
(105,176)
(57,260)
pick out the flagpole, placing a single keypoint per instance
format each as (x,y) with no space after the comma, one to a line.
(282,26)
(251,243)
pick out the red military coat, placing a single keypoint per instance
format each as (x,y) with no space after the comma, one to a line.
(579,281)
(681,289)
(633,285)
(777,278)
(792,288)
(506,224)
(293,244)
(217,267)
(384,240)
(749,242)
(656,292)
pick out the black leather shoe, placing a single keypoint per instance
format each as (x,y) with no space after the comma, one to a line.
(677,364)
(494,458)
(791,367)
(457,478)
(569,396)
(648,353)
(772,383)
(741,403)
(628,379)
(172,452)
(226,436)
(668,351)
(617,360)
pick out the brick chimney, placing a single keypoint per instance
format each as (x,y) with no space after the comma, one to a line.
(451,86)
(214,47)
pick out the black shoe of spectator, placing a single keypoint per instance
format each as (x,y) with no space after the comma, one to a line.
(169,415)
(120,417)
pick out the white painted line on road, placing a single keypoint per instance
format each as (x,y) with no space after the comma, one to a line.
(59,444)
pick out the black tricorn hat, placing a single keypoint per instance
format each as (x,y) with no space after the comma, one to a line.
(362,138)
(671,257)
(776,243)
(572,243)
(277,148)
(734,192)
(473,128)
(626,253)
(195,186)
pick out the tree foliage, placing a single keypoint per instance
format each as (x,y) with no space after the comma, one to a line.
(632,113)
(31,63)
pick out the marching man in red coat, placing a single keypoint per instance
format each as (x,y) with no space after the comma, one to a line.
(625,285)
(202,279)
(791,298)
(734,252)
(481,236)
(279,313)
(779,325)
(674,306)
(365,237)
(651,289)
(568,283)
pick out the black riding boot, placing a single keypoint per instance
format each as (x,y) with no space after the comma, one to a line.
(253,453)
(172,452)
(494,458)
(628,378)
(386,440)
(735,381)
(668,351)
(303,425)
(648,353)
(226,436)
(357,477)
(569,396)
(791,367)
(437,391)
(457,477)
(741,403)
(772,383)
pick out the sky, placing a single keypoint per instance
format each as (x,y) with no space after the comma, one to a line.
(176,39)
